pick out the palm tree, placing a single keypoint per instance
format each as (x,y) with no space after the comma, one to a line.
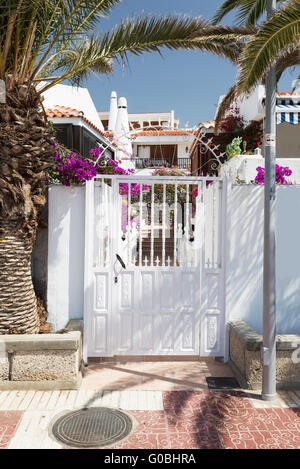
(42,43)
(276,40)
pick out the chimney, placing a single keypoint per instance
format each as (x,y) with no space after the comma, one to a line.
(172,119)
(113,111)
(122,127)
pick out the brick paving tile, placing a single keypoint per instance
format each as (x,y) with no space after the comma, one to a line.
(145,441)
(182,401)
(150,421)
(228,420)
(196,420)
(260,439)
(9,421)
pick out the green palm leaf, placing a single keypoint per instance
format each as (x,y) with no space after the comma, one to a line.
(289,58)
(280,32)
(146,34)
(248,11)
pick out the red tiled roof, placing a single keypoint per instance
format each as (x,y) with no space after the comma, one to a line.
(63,111)
(154,133)
(287,93)
(159,133)
(206,125)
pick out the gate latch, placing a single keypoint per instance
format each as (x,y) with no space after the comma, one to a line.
(123,266)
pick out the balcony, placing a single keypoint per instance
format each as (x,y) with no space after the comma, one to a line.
(142,163)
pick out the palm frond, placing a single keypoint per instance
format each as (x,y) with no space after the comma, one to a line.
(224,9)
(251,11)
(229,32)
(152,34)
(247,11)
(276,35)
(57,22)
(231,38)
(79,53)
(79,17)
(289,58)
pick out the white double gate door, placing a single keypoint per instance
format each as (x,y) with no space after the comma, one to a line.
(154,266)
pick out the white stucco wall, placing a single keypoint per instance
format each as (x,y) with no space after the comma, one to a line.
(246,257)
(65,254)
(181,147)
(249,106)
(245,269)
(75,98)
(244,167)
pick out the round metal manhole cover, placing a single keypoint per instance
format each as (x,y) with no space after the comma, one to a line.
(95,426)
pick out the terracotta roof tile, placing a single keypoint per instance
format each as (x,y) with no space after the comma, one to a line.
(154,133)
(63,111)
(288,93)
(159,133)
(206,125)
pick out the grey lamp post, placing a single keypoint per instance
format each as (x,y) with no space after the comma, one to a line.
(269,272)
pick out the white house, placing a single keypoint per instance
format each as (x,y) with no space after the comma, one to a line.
(76,121)
(153,138)
(252,107)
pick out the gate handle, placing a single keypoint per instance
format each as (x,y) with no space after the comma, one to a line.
(121,261)
(122,264)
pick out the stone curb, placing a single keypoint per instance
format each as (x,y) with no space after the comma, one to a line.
(252,340)
(21,343)
(42,385)
(42,361)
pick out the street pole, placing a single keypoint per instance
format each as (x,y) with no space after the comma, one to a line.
(269,269)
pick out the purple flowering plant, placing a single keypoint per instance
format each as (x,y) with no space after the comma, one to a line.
(281,173)
(71,168)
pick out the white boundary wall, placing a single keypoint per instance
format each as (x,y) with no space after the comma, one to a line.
(65,254)
(244,167)
(244,269)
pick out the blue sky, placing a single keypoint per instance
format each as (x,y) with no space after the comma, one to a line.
(188,82)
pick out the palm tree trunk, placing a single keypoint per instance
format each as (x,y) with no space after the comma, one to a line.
(25,148)
(18,304)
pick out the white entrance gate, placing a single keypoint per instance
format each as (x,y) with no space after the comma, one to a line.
(154,266)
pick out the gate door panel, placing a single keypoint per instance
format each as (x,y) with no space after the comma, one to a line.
(154,266)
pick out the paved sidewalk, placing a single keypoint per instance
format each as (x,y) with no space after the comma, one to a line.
(170,403)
